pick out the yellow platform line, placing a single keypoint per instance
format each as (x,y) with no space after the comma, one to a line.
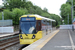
(42,44)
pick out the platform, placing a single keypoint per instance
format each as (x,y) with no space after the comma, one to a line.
(57,40)
(8,34)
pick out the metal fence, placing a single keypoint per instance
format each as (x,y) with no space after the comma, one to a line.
(6,22)
(67,27)
(9,29)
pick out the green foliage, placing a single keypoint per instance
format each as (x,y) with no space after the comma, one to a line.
(7,14)
(31,10)
(45,14)
(65,10)
(0,16)
(45,9)
(70,2)
(38,10)
(57,18)
(16,8)
(16,14)
(57,26)
(15,4)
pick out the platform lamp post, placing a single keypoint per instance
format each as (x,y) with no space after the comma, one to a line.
(1,10)
(51,25)
(72,10)
(2,17)
(2,20)
(68,18)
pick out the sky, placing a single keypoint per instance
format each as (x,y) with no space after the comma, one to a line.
(1,2)
(53,6)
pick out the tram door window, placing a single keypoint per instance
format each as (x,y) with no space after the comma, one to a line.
(38,25)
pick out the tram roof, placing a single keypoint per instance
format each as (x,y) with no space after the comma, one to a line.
(44,18)
(38,16)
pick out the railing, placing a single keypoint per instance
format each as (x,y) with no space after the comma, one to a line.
(67,26)
(6,22)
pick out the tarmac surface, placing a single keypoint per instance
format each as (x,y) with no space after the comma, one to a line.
(63,40)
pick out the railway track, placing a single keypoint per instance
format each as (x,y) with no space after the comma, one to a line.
(8,41)
(11,43)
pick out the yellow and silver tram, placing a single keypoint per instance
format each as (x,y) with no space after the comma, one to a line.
(33,27)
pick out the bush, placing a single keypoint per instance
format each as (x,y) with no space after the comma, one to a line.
(18,13)
(7,14)
(0,16)
(57,26)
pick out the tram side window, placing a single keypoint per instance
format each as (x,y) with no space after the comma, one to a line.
(47,22)
(44,21)
(39,23)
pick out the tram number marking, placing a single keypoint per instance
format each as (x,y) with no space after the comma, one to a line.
(26,38)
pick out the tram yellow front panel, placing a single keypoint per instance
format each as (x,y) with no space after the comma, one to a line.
(28,39)
(38,35)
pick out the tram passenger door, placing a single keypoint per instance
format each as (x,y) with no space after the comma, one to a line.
(38,26)
(38,29)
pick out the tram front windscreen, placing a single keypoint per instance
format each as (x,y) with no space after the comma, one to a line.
(27,25)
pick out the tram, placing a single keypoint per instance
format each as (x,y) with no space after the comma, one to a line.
(33,27)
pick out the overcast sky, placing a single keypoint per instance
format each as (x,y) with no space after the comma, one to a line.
(1,2)
(53,6)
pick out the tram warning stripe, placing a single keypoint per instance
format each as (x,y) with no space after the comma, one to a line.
(42,44)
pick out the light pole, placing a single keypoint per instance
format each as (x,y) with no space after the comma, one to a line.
(2,16)
(2,20)
(72,9)
(68,18)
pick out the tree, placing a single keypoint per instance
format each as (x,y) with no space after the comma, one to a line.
(15,4)
(7,14)
(45,9)
(31,10)
(45,14)
(16,14)
(0,16)
(28,5)
(56,18)
(38,10)
(65,10)
(16,8)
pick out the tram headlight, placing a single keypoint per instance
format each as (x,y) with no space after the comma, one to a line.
(33,36)
(21,37)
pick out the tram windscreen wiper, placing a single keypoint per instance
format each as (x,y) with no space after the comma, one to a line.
(22,30)
(31,29)
(24,33)
(27,25)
